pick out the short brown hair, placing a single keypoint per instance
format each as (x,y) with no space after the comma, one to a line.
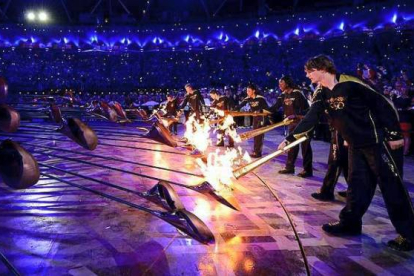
(214,91)
(321,62)
(253,87)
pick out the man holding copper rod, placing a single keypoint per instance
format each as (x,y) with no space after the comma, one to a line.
(369,124)
(257,104)
(221,103)
(294,106)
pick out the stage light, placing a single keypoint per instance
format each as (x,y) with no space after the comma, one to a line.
(43,16)
(394,18)
(31,16)
(297,31)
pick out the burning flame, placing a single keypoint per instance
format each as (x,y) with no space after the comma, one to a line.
(219,168)
(227,126)
(198,134)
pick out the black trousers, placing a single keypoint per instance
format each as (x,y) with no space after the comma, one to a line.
(221,133)
(337,163)
(367,167)
(306,154)
(258,122)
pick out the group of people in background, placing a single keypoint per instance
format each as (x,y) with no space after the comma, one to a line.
(367,145)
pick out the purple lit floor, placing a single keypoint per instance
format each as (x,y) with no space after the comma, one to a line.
(56,229)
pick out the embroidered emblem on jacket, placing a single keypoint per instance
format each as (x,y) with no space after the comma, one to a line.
(337,103)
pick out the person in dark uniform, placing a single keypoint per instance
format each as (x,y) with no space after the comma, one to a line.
(295,107)
(171,108)
(368,122)
(195,100)
(257,104)
(221,103)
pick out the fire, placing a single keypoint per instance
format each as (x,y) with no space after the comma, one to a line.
(219,168)
(198,134)
(227,126)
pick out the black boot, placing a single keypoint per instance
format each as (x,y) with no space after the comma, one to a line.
(305,174)
(342,193)
(287,171)
(255,155)
(323,197)
(341,229)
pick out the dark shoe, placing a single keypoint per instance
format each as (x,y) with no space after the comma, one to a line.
(305,174)
(342,193)
(287,171)
(255,155)
(401,244)
(231,145)
(323,197)
(341,229)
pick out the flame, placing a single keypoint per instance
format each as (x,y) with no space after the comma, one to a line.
(219,168)
(227,126)
(198,134)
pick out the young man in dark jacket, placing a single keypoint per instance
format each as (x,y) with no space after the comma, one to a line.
(257,104)
(368,122)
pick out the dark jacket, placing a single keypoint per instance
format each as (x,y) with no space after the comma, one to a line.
(359,113)
(171,108)
(257,104)
(195,101)
(293,103)
(221,103)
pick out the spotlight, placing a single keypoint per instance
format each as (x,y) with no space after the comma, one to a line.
(43,16)
(31,16)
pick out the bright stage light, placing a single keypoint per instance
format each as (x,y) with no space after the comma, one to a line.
(30,16)
(43,16)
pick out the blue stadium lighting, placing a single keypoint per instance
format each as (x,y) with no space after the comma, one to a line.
(94,39)
(106,40)
(224,37)
(408,17)
(394,18)
(297,31)
(157,40)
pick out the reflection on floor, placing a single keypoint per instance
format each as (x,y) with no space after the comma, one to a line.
(57,229)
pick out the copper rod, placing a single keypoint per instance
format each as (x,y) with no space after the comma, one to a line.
(255,132)
(258,162)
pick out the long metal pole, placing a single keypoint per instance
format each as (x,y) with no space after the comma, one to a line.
(113,159)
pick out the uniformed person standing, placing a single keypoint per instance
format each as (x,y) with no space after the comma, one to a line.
(295,107)
(369,124)
(257,104)
(195,100)
(221,103)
